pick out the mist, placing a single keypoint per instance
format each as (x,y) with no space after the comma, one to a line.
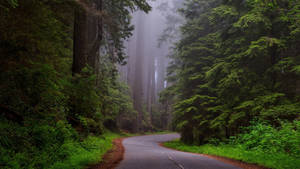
(145,71)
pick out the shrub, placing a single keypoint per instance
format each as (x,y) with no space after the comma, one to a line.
(264,137)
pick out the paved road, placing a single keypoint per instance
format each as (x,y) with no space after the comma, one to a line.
(143,152)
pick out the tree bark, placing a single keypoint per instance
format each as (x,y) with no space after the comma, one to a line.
(80,40)
(87,37)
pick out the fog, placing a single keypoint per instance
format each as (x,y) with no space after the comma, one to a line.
(147,50)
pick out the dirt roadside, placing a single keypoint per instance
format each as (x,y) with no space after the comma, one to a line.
(113,157)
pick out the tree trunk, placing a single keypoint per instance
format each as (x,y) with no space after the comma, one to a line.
(80,40)
(138,82)
(87,37)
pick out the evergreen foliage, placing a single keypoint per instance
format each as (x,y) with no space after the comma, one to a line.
(237,61)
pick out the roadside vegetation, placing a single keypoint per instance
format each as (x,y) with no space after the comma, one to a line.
(262,144)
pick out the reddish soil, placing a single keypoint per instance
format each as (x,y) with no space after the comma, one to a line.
(112,158)
(237,163)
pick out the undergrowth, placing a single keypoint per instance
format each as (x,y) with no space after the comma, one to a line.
(261,144)
(48,147)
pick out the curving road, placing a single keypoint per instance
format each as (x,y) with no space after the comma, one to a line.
(144,152)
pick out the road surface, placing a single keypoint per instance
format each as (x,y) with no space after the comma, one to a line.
(144,152)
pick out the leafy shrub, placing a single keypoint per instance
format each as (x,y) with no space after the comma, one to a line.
(33,146)
(264,137)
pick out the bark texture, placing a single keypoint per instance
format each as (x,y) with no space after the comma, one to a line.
(87,36)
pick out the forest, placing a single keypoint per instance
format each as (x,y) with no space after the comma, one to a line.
(59,80)
(76,74)
(235,76)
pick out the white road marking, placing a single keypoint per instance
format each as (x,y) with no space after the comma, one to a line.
(177,164)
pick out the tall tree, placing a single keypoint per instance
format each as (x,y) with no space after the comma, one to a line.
(138,93)
(97,20)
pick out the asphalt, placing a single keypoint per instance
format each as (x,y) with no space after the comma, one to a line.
(144,152)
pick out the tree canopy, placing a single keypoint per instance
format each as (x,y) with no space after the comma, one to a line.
(236,62)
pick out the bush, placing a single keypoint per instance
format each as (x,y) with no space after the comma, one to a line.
(32,146)
(264,137)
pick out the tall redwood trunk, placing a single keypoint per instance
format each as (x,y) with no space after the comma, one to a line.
(138,81)
(80,40)
(87,36)
(150,97)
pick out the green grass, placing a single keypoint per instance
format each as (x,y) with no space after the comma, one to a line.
(90,151)
(275,160)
